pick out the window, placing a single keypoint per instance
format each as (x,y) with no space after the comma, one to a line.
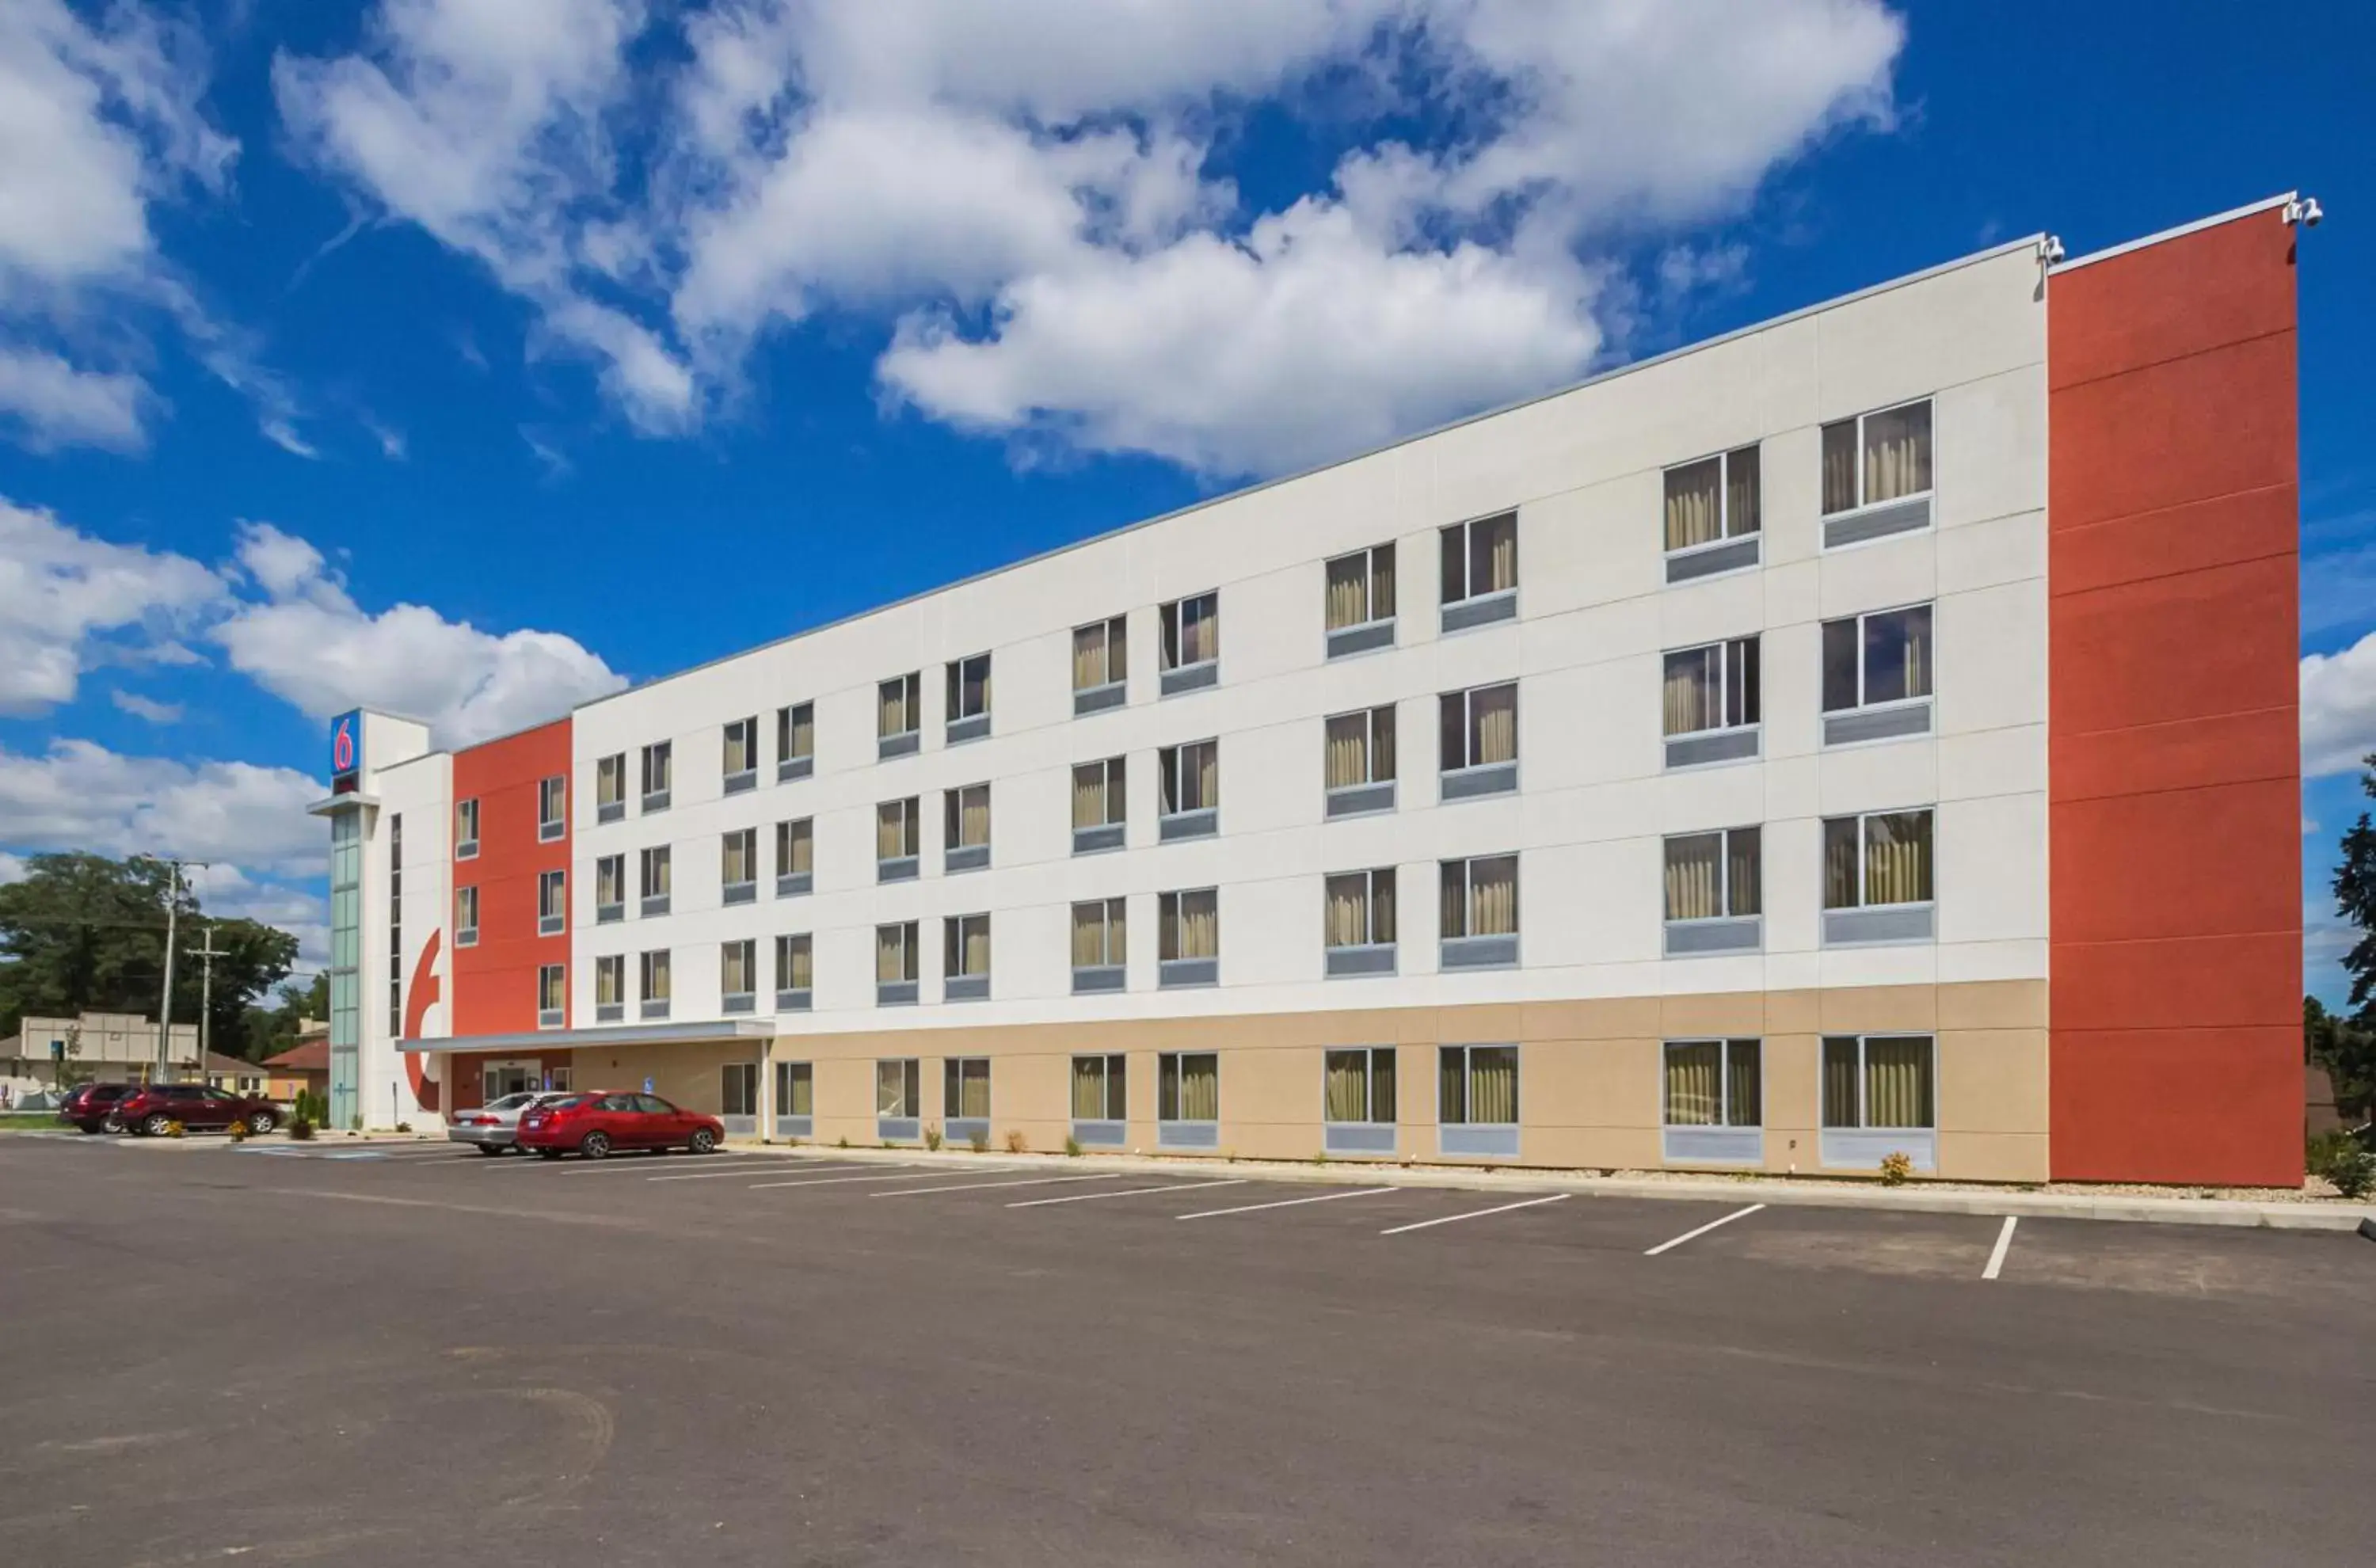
(795,1100)
(965,827)
(741,761)
(1188,937)
(1099,945)
(795,857)
(1359,932)
(795,742)
(551,903)
(1877,676)
(1191,642)
(1357,1100)
(1192,790)
(965,1096)
(1479,741)
(1877,457)
(738,1089)
(659,773)
(738,865)
(1877,877)
(1714,1101)
(1102,1100)
(1100,805)
(1480,572)
(1711,516)
(1360,761)
(552,997)
(1714,887)
(1481,912)
(795,973)
(969,707)
(466,830)
(1359,602)
(655,885)
(738,976)
(895,964)
(1880,1097)
(1713,703)
(611,788)
(898,715)
(552,808)
(1188,1099)
(1100,665)
(609,988)
(395,925)
(965,958)
(1477,1100)
(466,917)
(653,977)
(899,1090)
(895,836)
(610,889)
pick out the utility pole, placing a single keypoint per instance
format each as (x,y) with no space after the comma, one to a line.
(206,955)
(165,1010)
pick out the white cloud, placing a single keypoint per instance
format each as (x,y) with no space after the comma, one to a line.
(68,602)
(1027,193)
(308,642)
(50,403)
(2338,708)
(80,795)
(12,868)
(150,709)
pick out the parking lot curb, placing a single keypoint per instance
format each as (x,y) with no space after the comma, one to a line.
(2128,1209)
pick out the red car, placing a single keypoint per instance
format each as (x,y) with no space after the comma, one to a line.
(92,1107)
(150,1110)
(595,1124)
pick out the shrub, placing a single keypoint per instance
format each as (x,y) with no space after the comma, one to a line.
(1016,1143)
(404,1126)
(176,1129)
(842,1142)
(979,1143)
(933,1138)
(300,1129)
(1072,1148)
(239,1132)
(1896,1168)
(2337,1156)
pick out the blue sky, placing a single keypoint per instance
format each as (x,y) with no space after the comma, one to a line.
(607,338)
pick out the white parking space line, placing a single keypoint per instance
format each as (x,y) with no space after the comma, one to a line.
(1286,1203)
(1131,1192)
(2005,1245)
(981,1186)
(1711,1225)
(635,1161)
(1476,1214)
(746,1171)
(836,1180)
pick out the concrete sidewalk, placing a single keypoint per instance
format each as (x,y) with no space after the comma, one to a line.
(1915,1197)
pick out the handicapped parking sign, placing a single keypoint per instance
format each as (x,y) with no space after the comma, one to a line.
(648,1086)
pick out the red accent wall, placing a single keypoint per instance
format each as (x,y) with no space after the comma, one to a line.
(2174,792)
(494,982)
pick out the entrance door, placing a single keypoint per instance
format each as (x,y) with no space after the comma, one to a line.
(500,1078)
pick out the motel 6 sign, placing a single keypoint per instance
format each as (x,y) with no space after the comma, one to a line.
(347,745)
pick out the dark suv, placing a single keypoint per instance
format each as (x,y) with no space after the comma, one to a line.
(92,1107)
(150,1110)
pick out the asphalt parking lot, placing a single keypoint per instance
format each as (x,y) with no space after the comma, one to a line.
(425,1356)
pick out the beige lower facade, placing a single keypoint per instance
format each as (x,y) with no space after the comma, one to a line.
(1591,1078)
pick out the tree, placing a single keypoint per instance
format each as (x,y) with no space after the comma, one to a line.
(2348,1051)
(86,932)
(271,1030)
(2354,900)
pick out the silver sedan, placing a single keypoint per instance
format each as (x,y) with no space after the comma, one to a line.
(492,1128)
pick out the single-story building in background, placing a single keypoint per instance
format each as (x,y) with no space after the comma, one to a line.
(44,1053)
(304,1066)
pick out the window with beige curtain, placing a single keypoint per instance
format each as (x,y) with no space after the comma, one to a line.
(965,945)
(1192,776)
(610,779)
(742,748)
(965,1087)
(1880,657)
(1098,938)
(1360,908)
(796,732)
(659,766)
(1480,558)
(1101,653)
(1102,1087)
(1479,727)
(1480,897)
(1359,748)
(1878,1081)
(895,1086)
(1882,857)
(610,979)
(795,847)
(1359,1085)
(1712,1083)
(795,963)
(737,967)
(655,872)
(549,986)
(1696,504)
(738,857)
(1189,924)
(896,829)
(1713,687)
(1712,875)
(1478,1085)
(1876,458)
(969,687)
(1188,1086)
(611,880)
(1360,587)
(895,952)
(795,1089)
(1192,630)
(1099,793)
(965,816)
(655,975)
(897,707)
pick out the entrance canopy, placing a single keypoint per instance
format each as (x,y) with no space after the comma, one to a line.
(755,1030)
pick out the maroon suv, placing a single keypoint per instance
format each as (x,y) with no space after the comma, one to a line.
(151,1110)
(92,1107)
